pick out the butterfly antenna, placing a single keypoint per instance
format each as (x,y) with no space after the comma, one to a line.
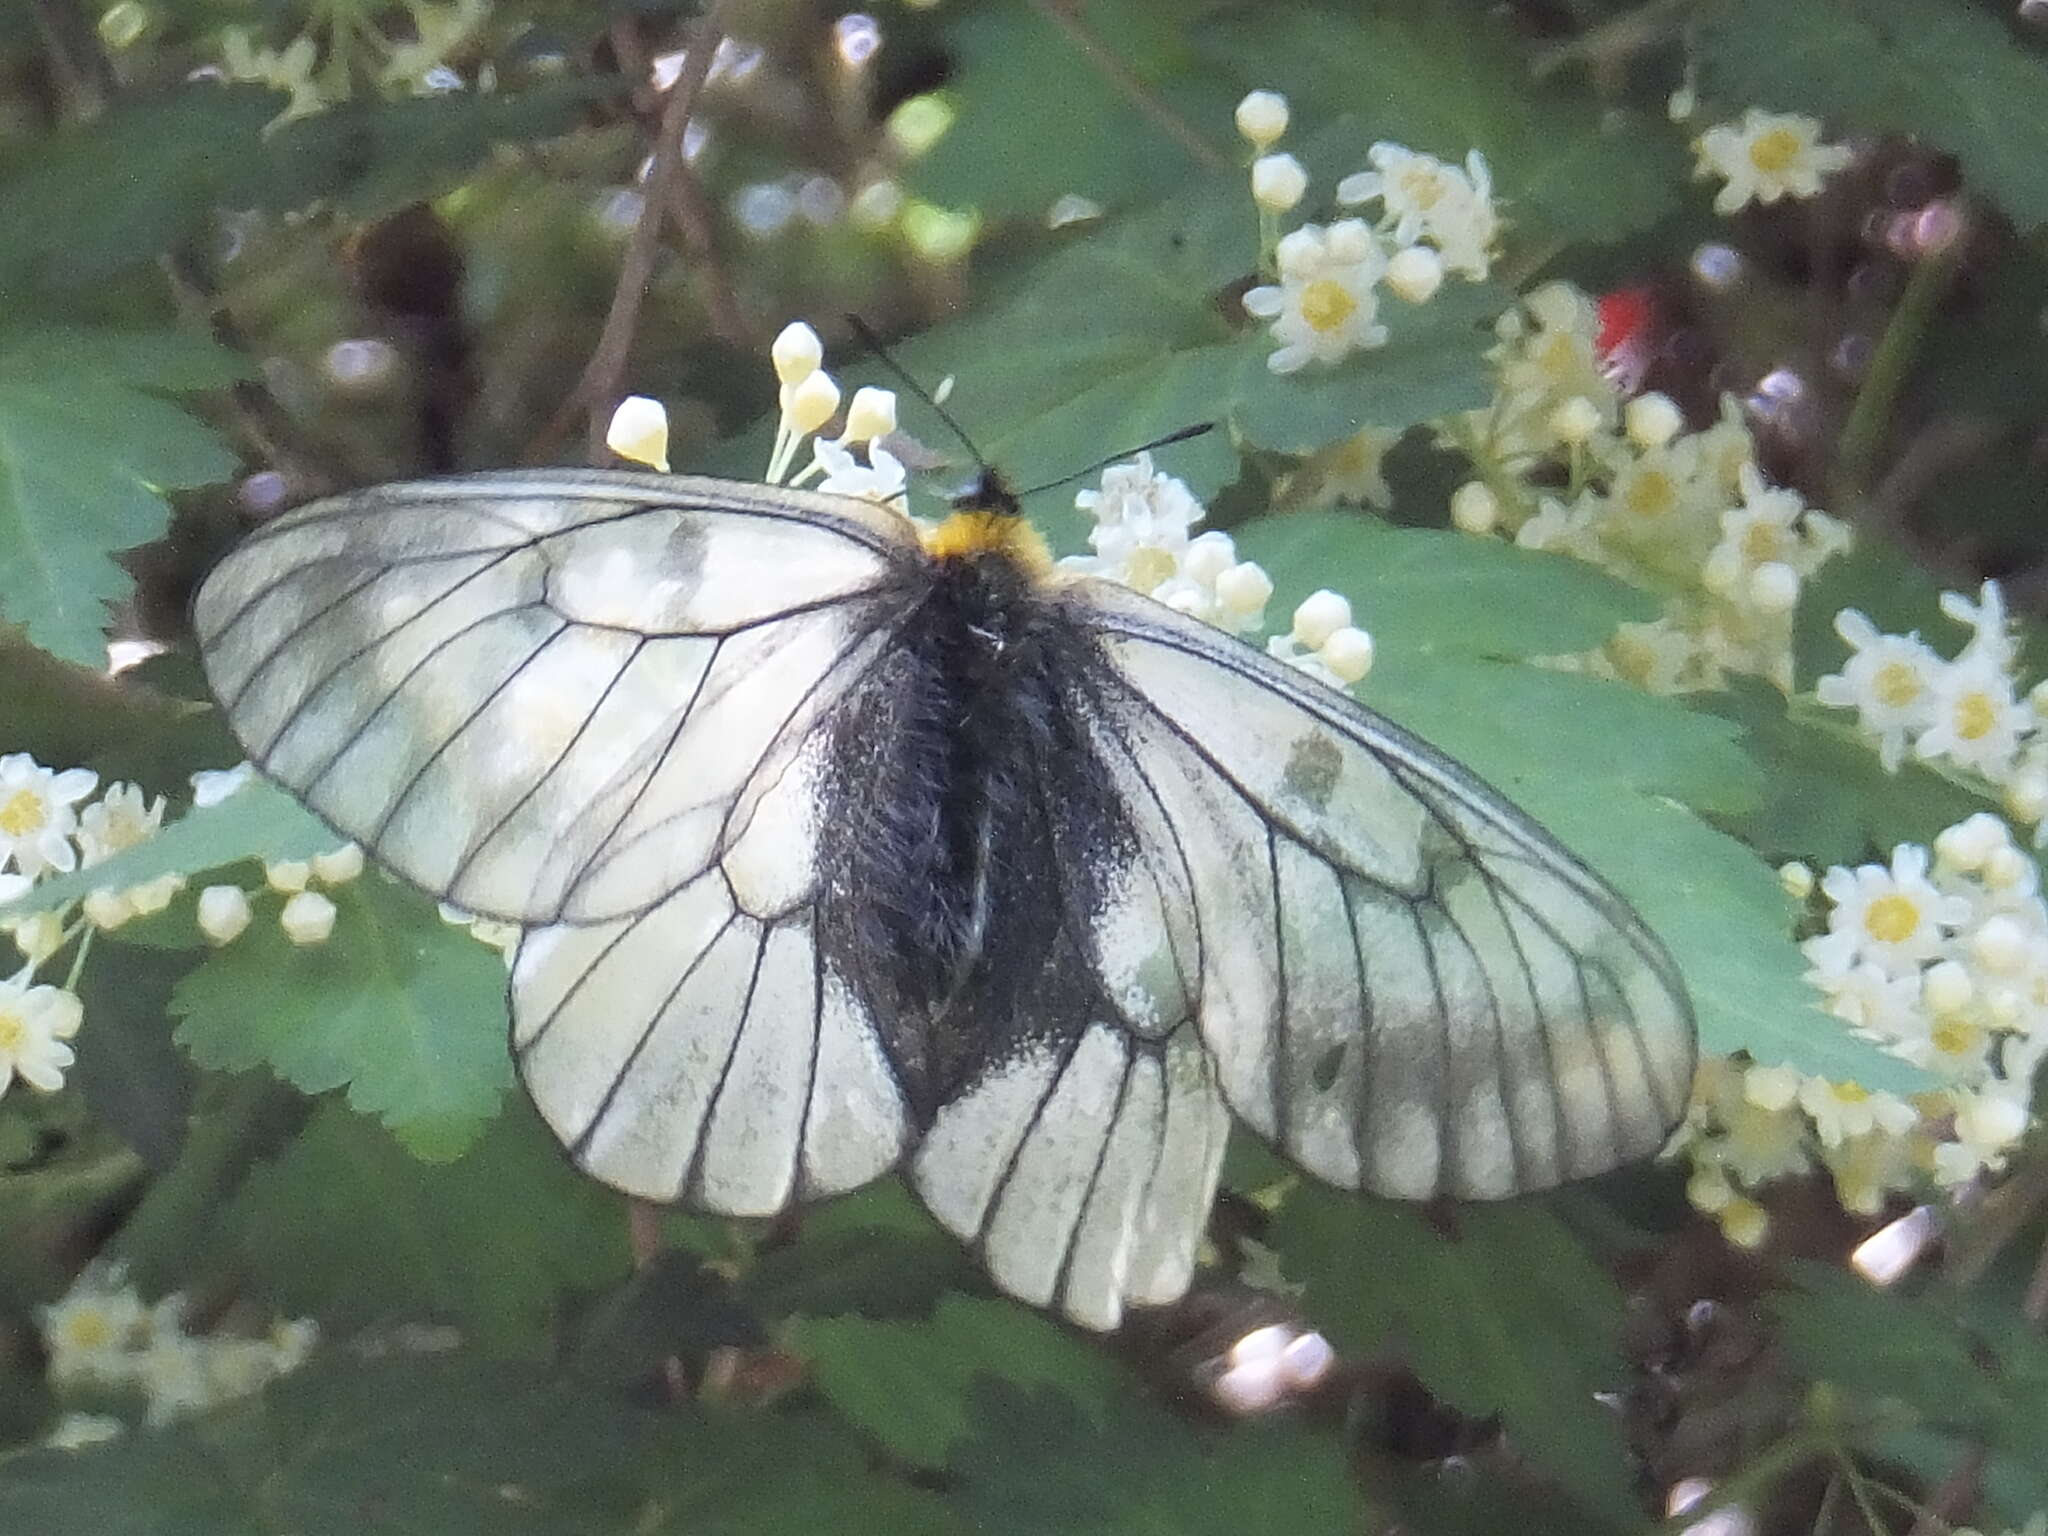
(903,376)
(1197,430)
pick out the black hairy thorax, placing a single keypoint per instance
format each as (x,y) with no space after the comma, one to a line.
(961,794)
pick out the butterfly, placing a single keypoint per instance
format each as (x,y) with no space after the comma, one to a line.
(840,849)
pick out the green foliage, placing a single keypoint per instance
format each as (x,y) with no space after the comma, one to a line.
(405,1010)
(69,499)
(1950,73)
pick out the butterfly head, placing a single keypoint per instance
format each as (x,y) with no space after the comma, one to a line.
(986,520)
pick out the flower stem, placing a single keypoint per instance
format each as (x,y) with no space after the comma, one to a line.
(1863,434)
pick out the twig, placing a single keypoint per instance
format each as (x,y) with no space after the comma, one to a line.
(689,210)
(1890,364)
(597,391)
(1062,15)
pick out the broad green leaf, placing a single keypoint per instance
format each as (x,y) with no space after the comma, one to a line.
(1954,75)
(1505,1313)
(1037,1461)
(259,821)
(1032,101)
(348,1225)
(909,1383)
(87,449)
(405,1010)
(1434,76)
(1615,773)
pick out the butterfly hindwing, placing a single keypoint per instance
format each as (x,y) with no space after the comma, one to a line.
(1404,983)
(543,695)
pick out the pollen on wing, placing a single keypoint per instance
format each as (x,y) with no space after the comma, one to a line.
(967,533)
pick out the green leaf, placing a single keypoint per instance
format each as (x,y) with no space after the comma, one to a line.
(74,716)
(259,821)
(1031,100)
(1952,74)
(406,1010)
(909,1384)
(1038,1462)
(86,452)
(349,1226)
(1506,1315)
(1618,775)
(1433,76)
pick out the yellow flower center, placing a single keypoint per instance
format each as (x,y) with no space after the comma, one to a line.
(1422,186)
(1953,1035)
(1775,152)
(1896,684)
(1326,304)
(1762,541)
(1976,714)
(1852,1093)
(1150,567)
(1559,356)
(23,813)
(88,1330)
(13,1034)
(1634,660)
(1892,919)
(1651,494)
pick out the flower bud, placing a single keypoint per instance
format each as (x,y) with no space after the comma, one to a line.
(307,919)
(1278,182)
(810,402)
(1652,420)
(340,866)
(871,415)
(223,912)
(1575,421)
(639,432)
(1320,616)
(796,352)
(288,875)
(1474,508)
(1348,653)
(1244,588)
(1415,274)
(1262,118)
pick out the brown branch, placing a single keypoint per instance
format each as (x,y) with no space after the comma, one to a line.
(1062,14)
(597,391)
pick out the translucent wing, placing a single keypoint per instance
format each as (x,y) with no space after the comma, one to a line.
(549,696)
(1404,983)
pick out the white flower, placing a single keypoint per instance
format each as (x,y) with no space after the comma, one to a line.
(1977,723)
(639,432)
(1990,631)
(77,1431)
(173,1375)
(307,919)
(1893,918)
(37,815)
(1868,1167)
(1842,1110)
(1766,156)
(35,1021)
(119,819)
(1352,469)
(879,480)
(1967,846)
(1324,307)
(1423,198)
(1142,518)
(1772,526)
(90,1332)
(1888,680)
(210,786)
(1989,1122)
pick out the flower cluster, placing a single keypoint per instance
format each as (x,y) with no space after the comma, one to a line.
(410,58)
(1434,218)
(50,826)
(105,1342)
(1766,156)
(1965,714)
(1941,957)
(1565,464)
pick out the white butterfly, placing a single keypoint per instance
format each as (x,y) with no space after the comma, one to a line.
(839,851)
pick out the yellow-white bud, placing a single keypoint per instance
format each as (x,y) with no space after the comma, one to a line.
(38,936)
(1244,588)
(1772,1089)
(797,353)
(1744,1223)
(1965,846)
(288,875)
(1946,987)
(809,403)
(1474,508)
(1652,420)
(340,866)
(308,918)
(1774,587)
(1796,879)
(1208,557)
(1320,616)
(2037,697)
(223,912)
(871,415)
(1278,182)
(2026,797)
(1350,240)
(153,895)
(1348,653)
(1990,1119)
(1415,274)
(1575,421)
(2007,869)
(107,909)
(639,432)
(1262,118)
(1999,945)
